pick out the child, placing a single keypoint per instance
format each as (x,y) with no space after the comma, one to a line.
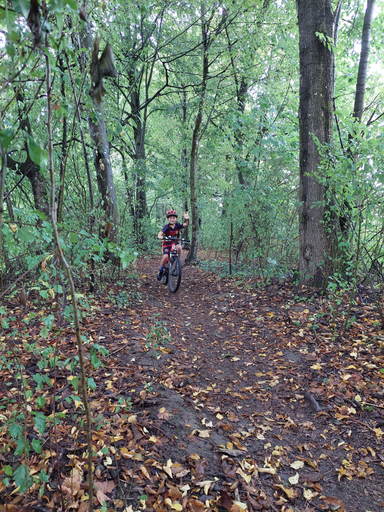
(171,229)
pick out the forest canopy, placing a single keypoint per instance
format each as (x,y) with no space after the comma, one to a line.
(202,107)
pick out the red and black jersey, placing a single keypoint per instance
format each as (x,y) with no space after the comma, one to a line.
(171,231)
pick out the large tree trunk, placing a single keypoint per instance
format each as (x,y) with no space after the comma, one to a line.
(315,121)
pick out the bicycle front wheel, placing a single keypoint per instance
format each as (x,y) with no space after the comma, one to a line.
(174,276)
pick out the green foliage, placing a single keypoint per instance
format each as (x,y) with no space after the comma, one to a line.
(158,335)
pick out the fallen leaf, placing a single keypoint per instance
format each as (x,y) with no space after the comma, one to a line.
(293,480)
(102,488)
(298,464)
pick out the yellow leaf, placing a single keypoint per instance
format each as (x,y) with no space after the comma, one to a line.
(270,471)
(309,495)
(144,470)
(298,464)
(291,493)
(316,366)
(246,477)
(293,480)
(176,506)
(202,433)
(219,416)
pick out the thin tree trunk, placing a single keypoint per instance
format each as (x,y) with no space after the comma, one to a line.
(363,64)
(192,255)
(64,149)
(101,152)
(184,159)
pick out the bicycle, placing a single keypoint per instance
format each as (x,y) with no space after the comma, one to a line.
(172,270)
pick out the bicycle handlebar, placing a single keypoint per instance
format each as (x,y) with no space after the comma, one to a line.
(168,238)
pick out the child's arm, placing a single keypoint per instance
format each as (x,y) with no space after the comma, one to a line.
(160,235)
(186,219)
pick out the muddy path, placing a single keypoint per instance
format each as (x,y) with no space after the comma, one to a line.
(253,407)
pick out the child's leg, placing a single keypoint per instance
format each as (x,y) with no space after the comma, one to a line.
(164,260)
(178,247)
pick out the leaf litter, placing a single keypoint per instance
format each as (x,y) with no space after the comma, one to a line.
(224,396)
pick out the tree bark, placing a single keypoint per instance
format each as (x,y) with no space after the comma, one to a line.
(101,152)
(102,161)
(363,64)
(315,121)
(192,255)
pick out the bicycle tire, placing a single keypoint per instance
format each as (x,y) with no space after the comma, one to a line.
(174,277)
(165,276)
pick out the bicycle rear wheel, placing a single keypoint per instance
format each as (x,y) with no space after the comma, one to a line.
(174,277)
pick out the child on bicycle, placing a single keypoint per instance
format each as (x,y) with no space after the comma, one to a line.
(171,229)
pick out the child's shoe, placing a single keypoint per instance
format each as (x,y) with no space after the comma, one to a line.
(160,274)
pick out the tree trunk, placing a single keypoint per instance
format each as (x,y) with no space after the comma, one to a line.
(101,158)
(363,64)
(241,95)
(101,153)
(195,229)
(315,121)
(28,168)
(184,160)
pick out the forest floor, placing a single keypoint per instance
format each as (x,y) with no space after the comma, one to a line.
(223,396)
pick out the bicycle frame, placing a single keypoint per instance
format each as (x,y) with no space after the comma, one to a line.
(172,269)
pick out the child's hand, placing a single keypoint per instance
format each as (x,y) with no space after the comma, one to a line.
(186,215)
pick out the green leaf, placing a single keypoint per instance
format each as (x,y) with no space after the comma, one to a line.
(22,478)
(10,49)
(60,22)
(51,57)
(25,235)
(15,430)
(22,6)
(43,476)
(36,445)
(40,401)
(40,423)
(91,383)
(6,137)
(40,214)
(20,446)
(8,470)
(44,331)
(34,150)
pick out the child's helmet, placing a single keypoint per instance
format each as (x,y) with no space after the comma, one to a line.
(171,213)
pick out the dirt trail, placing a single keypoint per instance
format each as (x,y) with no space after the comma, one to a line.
(227,400)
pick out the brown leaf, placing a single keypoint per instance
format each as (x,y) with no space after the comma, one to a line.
(225,500)
(232,417)
(71,484)
(332,503)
